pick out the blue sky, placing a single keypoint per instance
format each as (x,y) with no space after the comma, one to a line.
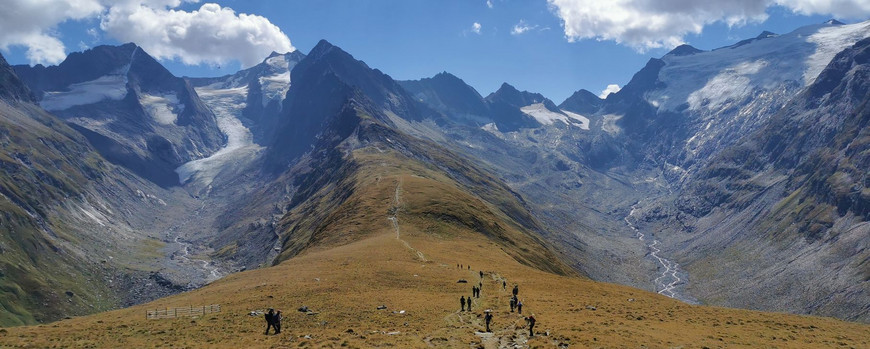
(553,47)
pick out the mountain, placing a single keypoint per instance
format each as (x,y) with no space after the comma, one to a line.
(75,231)
(642,197)
(134,111)
(338,133)
(582,102)
(794,192)
(451,96)
(707,171)
(255,94)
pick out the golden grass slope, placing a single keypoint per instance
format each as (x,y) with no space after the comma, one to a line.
(343,283)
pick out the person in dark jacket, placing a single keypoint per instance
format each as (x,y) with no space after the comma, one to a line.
(462,302)
(531,320)
(468,300)
(520,307)
(276,322)
(270,320)
(488,319)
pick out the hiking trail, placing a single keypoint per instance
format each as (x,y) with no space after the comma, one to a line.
(394,218)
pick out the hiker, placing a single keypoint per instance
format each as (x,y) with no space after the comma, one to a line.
(516,289)
(488,319)
(276,322)
(513,304)
(531,320)
(480,284)
(481,274)
(270,320)
(462,302)
(469,267)
(469,303)
(504,285)
(520,307)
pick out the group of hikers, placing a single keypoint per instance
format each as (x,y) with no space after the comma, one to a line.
(515,303)
(273,320)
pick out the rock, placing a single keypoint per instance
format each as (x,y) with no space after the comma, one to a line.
(349,330)
(382,307)
(303,309)
(590,307)
(462,281)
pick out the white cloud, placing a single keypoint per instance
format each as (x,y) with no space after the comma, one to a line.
(856,9)
(475,27)
(612,88)
(29,23)
(522,27)
(645,24)
(489,3)
(212,34)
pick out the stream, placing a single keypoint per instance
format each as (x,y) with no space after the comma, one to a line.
(671,278)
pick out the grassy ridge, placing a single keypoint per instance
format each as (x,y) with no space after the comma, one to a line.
(344,286)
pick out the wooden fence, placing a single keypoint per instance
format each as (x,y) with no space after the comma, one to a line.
(171,313)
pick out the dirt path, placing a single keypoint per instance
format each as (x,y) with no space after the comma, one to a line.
(394,219)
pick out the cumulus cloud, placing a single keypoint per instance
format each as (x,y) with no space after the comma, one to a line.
(489,3)
(612,88)
(29,23)
(522,27)
(211,34)
(475,28)
(645,24)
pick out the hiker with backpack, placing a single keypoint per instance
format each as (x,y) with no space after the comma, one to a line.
(270,321)
(276,322)
(531,320)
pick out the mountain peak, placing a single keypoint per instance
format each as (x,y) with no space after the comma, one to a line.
(322,48)
(684,50)
(833,22)
(766,34)
(10,85)
(506,88)
(582,101)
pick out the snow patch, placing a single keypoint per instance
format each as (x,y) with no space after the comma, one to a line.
(275,87)
(731,84)
(830,41)
(584,121)
(546,116)
(163,108)
(112,87)
(490,127)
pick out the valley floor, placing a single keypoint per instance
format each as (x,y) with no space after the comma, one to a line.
(415,276)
